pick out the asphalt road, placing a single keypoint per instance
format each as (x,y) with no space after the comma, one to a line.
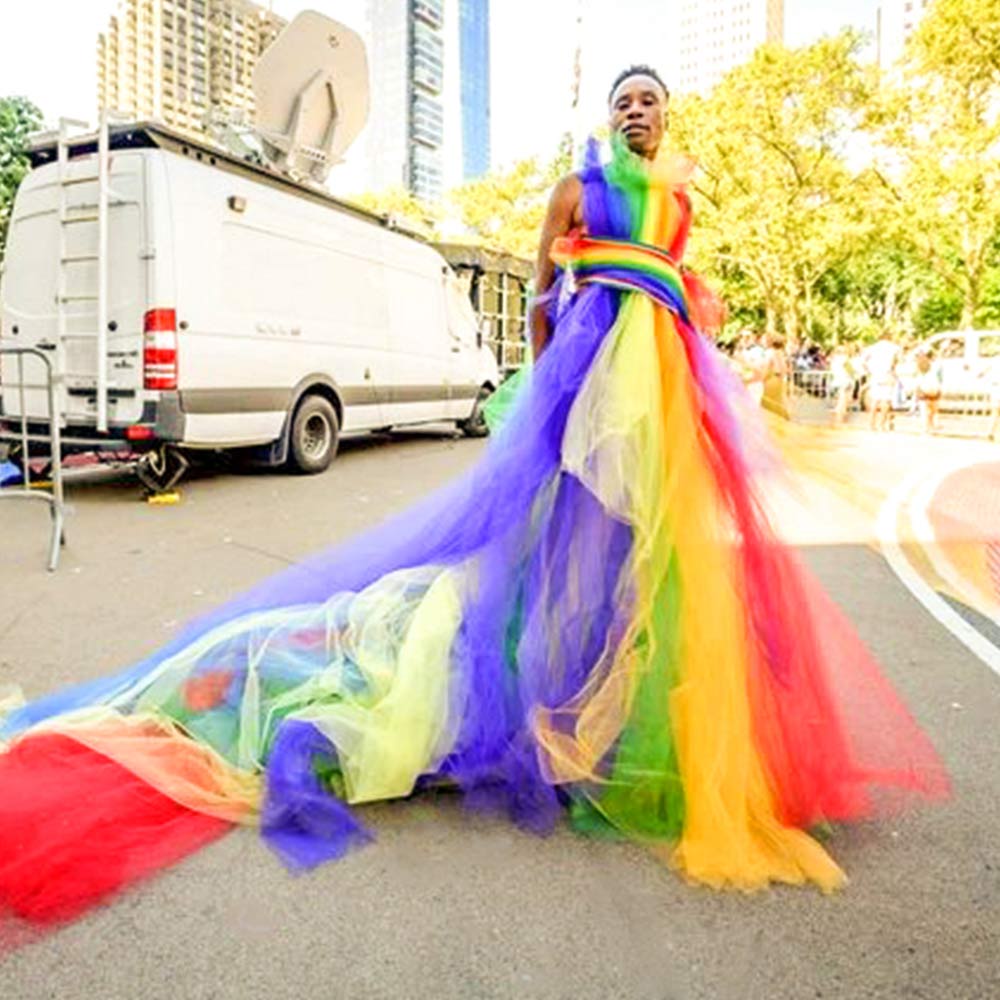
(448,905)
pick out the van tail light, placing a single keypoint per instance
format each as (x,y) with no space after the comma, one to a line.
(159,349)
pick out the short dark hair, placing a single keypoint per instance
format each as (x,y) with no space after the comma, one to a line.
(640,70)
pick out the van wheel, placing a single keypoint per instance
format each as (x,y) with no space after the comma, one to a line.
(475,425)
(315,436)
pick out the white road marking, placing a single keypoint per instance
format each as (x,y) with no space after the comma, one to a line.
(942,565)
(886,529)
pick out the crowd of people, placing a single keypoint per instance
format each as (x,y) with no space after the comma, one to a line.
(885,377)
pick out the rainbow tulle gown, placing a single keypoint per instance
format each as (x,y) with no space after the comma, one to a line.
(596,621)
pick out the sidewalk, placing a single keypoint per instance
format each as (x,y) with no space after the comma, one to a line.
(815,411)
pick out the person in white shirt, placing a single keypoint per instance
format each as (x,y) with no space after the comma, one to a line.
(843,373)
(880,360)
(928,390)
(751,357)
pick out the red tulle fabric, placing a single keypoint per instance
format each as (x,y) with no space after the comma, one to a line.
(75,828)
(837,741)
(707,310)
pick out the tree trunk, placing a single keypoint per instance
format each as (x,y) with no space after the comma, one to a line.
(890,312)
(970,305)
(770,317)
(791,323)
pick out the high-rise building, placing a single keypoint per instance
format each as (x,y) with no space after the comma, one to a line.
(406,121)
(430,111)
(897,20)
(474,47)
(176,60)
(716,36)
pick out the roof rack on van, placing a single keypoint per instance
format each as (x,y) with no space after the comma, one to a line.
(43,148)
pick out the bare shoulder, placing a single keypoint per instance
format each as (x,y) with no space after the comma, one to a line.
(568,191)
(566,199)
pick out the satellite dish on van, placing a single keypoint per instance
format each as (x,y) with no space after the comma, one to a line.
(311,92)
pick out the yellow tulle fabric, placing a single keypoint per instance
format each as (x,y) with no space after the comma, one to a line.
(634,440)
(385,743)
(165,757)
(379,687)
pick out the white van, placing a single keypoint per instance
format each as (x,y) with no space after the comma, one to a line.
(243,310)
(968,361)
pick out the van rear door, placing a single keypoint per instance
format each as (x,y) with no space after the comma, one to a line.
(46,253)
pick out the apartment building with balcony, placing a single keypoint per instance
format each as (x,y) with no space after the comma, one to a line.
(177,60)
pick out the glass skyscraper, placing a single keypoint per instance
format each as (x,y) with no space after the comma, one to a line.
(430,93)
(425,126)
(474,46)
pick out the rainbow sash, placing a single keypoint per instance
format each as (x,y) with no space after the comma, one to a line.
(631,266)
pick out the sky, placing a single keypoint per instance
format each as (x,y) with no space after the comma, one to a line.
(532,54)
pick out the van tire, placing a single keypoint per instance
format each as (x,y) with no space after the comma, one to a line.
(314,436)
(475,426)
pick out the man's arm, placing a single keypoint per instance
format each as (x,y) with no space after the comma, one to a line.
(563,214)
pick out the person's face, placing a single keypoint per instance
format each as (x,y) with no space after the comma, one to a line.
(639,114)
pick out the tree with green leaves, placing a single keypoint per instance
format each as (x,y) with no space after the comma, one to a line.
(960,39)
(882,286)
(404,208)
(18,119)
(776,203)
(938,125)
(504,210)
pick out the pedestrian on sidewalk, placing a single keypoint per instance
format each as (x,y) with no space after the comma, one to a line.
(843,376)
(751,358)
(929,390)
(880,360)
(907,376)
(775,395)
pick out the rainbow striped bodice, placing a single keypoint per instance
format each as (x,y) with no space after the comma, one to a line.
(624,264)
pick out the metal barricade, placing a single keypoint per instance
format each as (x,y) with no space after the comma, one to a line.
(817,384)
(975,403)
(810,395)
(53,496)
(968,412)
